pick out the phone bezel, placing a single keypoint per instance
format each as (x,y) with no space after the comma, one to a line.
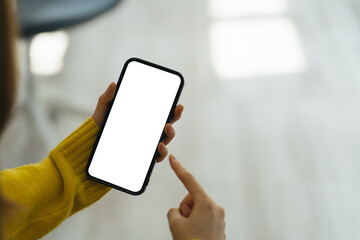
(101,128)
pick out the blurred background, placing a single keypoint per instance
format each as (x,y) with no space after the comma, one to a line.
(271,126)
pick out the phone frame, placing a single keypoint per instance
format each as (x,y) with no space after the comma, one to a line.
(101,128)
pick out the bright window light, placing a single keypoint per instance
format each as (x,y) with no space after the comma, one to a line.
(252,48)
(243,8)
(47,51)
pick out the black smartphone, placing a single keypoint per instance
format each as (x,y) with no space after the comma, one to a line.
(125,150)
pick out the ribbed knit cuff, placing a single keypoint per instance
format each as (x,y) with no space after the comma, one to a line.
(76,148)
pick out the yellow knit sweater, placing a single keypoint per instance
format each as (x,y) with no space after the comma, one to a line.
(52,190)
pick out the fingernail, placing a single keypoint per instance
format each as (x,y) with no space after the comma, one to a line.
(110,85)
(172,157)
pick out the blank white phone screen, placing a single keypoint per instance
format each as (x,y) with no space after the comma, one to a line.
(134,126)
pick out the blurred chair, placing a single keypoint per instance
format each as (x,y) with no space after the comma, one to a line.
(37,16)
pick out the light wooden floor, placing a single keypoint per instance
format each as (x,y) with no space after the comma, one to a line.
(280,152)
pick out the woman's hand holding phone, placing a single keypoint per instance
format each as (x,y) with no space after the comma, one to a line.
(198,216)
(103,104)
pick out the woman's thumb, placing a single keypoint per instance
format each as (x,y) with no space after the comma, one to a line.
(173,214)
(103,103)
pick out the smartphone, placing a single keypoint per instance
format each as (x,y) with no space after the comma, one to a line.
(125,150)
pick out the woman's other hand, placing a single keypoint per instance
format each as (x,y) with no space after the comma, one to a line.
(198,216)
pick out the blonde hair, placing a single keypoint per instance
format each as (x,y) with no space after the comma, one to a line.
(8,32)
(7,60)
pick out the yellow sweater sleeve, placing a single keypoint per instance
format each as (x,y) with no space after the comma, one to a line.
(52,190)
